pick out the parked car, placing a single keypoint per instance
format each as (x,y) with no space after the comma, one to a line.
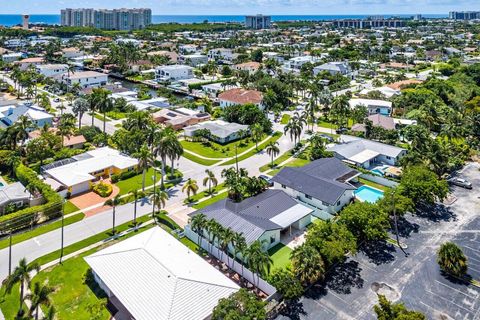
(460,182)
(267,179)
(326,137)
(56,100)
(341,130)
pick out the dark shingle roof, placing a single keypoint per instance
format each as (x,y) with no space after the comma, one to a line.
(321,179)
(251,216)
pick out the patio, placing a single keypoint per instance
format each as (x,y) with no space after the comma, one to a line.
(293,238)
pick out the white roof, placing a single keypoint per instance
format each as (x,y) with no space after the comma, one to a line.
(89,162)
(155,276)
(291,215)
(364,156)
(369,102)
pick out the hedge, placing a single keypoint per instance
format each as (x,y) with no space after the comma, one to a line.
(30,216)
(198,86)
(123,176)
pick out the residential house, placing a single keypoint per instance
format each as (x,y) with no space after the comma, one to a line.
(194,59)
(51,70)
(9,114)
(154,276)
(240,96)
(220,131)
(86,79)
(12,57)
(79,173)
(334,68)
(26,63)
(72,142)
(173,72)
(377,120)
(180,118)
(366,153)
(323,185)
(222,54)
(251,67)
(265,217)
(14,194)
(70,53)
(294,65)
(373,106)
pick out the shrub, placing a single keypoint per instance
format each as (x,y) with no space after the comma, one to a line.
(103,189)
(123,176)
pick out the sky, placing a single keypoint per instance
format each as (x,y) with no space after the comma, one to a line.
(240,7)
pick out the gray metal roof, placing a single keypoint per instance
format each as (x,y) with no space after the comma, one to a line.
(251,217)
(352,146)
(322,179)
(13,192)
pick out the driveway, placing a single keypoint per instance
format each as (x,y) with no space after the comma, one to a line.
(415,280)
(90,199)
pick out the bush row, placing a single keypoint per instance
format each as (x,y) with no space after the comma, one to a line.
(31,215)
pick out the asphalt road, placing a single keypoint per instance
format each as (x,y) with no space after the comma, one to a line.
(415,280)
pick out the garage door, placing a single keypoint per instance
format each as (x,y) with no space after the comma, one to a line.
(80,188)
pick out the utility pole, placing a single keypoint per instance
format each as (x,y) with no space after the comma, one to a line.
(236,157)
(154,191)
(10,253)
(63,225)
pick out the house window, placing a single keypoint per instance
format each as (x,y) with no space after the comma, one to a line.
(389,158)
(284,186)
(338,203)
(308,197)
(272,239)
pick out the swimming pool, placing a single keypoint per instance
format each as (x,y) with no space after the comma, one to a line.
(377,172)
(368,194)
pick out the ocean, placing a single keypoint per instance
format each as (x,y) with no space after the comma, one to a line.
(9,20)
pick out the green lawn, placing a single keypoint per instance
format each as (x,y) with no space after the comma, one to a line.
(74,294)
(70,208)
(135,182)
(201,161)
(209,201)
(17,238)
(216,150)
(262,146)
(277,161)
(116,115)
(285,119)
(9,303)
(373,184)
(204,194)
(296,162)
(280,255)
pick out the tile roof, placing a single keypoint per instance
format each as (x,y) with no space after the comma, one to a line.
(241,96)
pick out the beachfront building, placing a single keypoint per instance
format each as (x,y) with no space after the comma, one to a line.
(258,21)
(116,19)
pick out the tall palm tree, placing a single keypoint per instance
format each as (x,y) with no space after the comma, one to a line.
(39,296)
(136,194)
(238,246)
(20,275)
(190,187)
(103,103)
(66,126)
(62,108)
(80,107)
(258,260)
(256,131)
(310,109)
(226,238)
(210,179)
(340,110)
(159,199)
(23,126)
(452,260)
(145,160)
(167,146)
(198,223)
(114,202)
(272,150)
(307,264)
(295,127)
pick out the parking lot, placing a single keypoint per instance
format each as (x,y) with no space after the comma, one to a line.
(349,291)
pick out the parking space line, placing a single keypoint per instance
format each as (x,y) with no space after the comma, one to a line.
(448,301)
(476,250)
(325,307)
(452,288)
(366,266)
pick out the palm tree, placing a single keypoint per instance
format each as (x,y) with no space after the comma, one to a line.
(80,106)
(167,146)
(307,264)
(340,110)
(190,187)
(311,108)
(452,260)
(103,103)
(226,238)
(239,245)
(39,296)
(62,108)
(114,202)
(20,275)
(256,131)
(210,179)
(159,198)
(258,260)
(23,126)
(66,126)
(295,127)
(145,160)
(272,150)
(136,194)
(198,223)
